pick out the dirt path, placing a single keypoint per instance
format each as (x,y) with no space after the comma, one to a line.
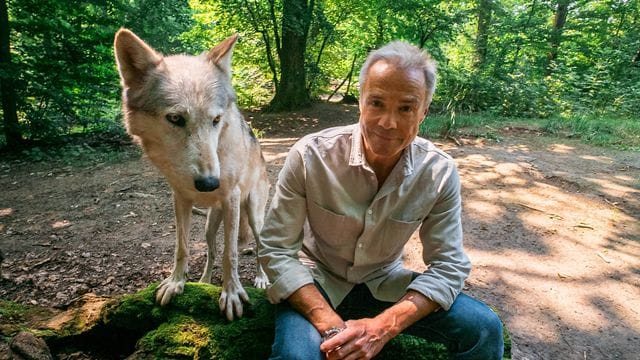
(552,228)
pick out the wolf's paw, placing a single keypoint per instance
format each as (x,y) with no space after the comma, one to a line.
(167,289)
(261,281)
(231,298)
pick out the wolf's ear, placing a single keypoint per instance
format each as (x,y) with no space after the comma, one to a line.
(134,57)
(221,53)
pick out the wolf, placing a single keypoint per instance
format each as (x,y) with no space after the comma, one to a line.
(182,111)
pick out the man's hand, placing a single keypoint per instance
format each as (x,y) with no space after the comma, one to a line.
(364,338)
(361,339)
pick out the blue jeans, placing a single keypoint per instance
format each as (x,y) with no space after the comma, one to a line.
(470,330)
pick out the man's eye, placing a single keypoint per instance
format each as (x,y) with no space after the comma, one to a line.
(176,119)
(216,120)
(376,103)
(405,109)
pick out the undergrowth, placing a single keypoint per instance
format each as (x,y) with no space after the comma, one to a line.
(615,132)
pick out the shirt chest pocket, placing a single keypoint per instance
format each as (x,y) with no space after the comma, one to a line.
(396,234)
(331,228)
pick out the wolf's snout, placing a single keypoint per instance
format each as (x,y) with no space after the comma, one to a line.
(207,183)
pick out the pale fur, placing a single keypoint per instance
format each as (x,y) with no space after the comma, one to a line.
(198,88)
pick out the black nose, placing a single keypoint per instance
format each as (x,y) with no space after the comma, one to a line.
(207,183)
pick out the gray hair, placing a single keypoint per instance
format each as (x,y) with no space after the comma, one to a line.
(406,56)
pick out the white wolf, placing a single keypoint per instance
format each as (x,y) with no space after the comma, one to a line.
(181,109)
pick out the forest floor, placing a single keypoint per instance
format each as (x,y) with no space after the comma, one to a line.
(552,227)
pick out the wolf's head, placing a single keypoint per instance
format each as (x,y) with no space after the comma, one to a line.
(177,107)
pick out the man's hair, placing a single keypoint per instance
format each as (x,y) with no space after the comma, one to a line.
(405,56)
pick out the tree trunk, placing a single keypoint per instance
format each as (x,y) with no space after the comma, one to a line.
(555,38)
(484,22)
(636,59)
(525,28)
(10,116)
(291,93)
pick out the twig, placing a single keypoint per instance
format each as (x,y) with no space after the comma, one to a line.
(603,258)
(198,211)
(551,215)
(454,140)
(584,226)
(40,263)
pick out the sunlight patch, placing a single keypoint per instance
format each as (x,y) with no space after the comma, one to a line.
(61,224)
(561,148)
(6,212)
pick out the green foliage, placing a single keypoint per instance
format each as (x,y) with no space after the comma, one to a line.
(617,132)
(611,131)
(66,80)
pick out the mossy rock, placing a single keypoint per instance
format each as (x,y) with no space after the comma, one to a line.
(192,327)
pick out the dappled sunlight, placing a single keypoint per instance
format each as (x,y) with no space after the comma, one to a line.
(614,189)
(487,209)
(561,148)
(60,224)
(601,159)
(533,292)
(555,237)
(6,212)
(517,148)
(275,150)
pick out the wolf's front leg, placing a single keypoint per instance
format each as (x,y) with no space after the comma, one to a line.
(233,294)
(174,284)
(214,217)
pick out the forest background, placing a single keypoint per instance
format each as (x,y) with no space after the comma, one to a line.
(571,66)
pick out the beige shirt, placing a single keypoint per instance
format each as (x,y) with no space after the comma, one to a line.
(328,221)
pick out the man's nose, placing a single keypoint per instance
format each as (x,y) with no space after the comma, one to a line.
(389,120)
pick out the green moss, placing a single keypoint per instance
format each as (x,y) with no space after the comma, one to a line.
(15,317)
(192,327)
(11,312)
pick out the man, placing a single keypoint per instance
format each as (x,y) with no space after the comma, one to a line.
(346,202)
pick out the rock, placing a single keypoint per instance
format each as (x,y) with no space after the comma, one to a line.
(29,347)
(191,326)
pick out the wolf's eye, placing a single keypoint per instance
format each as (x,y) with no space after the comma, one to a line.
(216,120)
(176,119)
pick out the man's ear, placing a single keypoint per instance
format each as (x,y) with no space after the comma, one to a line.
(221,54)
(134,58)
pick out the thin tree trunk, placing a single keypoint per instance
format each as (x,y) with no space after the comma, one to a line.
(346,79)
(636,59)
(353,65)
(519,41)
(379,29)
(559,21)
(482,40)
(11,126)
(325,39)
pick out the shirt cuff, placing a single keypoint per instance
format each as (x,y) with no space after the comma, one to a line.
(288,283)
(425,285)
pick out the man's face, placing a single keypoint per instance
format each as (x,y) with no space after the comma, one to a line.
(392,106)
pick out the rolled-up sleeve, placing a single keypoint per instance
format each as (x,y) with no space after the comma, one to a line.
(282,234)
(441,237)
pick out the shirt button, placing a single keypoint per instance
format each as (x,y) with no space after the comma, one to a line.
(360,245)
(369,211)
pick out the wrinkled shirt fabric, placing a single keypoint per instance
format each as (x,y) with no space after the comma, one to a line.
(329,221)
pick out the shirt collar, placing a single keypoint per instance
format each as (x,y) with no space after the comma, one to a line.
(357,158)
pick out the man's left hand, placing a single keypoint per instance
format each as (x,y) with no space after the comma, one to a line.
(361,339)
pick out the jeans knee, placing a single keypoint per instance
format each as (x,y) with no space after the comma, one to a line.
(493,327)
(489,341)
